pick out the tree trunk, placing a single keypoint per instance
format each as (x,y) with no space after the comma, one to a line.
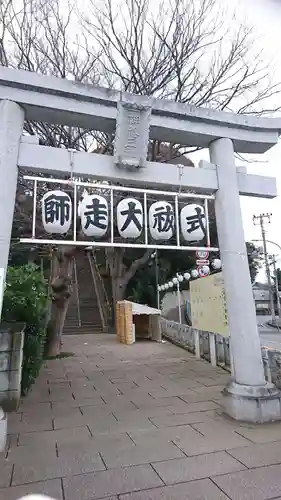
(114,258)
(118,294)
(120,274)
(61,290)
(119,287)
(58,315)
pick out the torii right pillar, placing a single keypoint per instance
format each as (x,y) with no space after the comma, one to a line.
(248,397)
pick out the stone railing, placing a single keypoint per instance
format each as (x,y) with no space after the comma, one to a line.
(272,365)
(11,354)
(215,348)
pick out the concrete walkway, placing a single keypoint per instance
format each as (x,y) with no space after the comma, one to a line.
(142,422)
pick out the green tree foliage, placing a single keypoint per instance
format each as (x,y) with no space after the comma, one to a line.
(255,259)
(25,301)
(142,287)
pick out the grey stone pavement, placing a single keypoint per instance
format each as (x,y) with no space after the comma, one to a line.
(140,422)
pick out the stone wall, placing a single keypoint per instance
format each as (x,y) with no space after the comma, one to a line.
(11,355)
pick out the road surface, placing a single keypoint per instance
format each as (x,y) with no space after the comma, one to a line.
(270,337)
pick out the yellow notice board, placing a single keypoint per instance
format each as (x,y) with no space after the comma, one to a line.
(208,306)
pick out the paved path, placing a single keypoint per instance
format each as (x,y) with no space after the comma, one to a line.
(142,422)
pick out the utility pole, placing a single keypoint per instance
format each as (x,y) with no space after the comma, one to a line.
(276,285)
(259,220)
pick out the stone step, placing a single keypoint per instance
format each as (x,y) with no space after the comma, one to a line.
(83,325)
(89,311)
(89,302)
(90,316)
(70,331)
(83,331)
(85,311)
(83,304)
(94,321)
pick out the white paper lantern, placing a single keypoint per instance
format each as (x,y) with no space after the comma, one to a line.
(180,278)
(166,286)
(175,281)
(193,222)
(194,273)
(129,218)
(216,264)
(187,276)
(161,220)
(56,212)
(171,284)
(94,215)
(204,271)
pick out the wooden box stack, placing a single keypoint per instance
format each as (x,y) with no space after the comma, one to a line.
(124,322)
(129,340)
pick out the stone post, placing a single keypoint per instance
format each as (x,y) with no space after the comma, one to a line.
(11,127)
(248,396)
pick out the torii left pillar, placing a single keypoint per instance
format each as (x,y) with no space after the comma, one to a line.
(11,128)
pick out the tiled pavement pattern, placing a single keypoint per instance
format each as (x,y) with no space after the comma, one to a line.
(138,422)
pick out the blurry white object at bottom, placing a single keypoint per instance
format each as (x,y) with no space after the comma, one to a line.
(35,497)
(3,430)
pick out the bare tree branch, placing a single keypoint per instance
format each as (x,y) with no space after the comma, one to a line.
(137,264)
(182,51)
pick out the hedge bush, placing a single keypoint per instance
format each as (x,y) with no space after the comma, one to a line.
(25,301)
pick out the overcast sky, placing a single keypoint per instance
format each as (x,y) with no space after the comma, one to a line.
(265,16)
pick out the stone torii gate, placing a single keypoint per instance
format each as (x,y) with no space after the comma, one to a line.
(135,119)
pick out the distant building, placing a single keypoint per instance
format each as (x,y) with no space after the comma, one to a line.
(170,309)
(262,298)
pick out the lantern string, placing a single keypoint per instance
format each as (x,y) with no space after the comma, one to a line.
(71,162)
